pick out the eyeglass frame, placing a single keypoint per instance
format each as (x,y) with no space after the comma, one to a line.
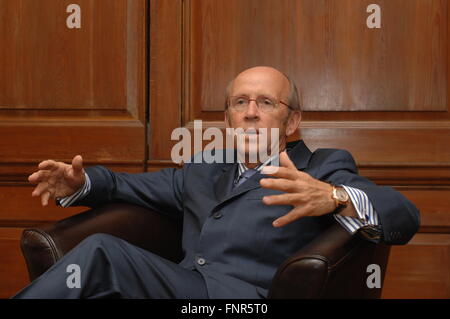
(249,100)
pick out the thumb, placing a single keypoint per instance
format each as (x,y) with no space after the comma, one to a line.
(77,164)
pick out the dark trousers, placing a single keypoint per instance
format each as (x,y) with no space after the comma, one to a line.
(110,267)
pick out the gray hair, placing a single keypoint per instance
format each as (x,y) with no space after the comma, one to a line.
(293,99)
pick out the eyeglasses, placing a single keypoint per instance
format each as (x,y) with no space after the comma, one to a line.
(264,103)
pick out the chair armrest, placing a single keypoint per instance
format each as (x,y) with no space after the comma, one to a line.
(333,265)
(42,247)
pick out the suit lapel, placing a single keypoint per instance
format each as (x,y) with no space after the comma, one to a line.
(225,182)
(251,183)
(299,154)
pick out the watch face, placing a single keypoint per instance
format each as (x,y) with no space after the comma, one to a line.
(341,195)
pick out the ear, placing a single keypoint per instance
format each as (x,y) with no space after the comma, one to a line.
(293,122)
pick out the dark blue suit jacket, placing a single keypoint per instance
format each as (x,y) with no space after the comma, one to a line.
(232,229)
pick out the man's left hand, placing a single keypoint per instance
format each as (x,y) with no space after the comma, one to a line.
(308,196)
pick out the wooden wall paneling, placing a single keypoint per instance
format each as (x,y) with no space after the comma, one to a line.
(433,203)
(408,174)
(65,92)
(377,143)
(51,66)
(61,139)
(419,269)
(19,208)
(325,46)
(73,90)
(371,70)
(13,271)
(165,76)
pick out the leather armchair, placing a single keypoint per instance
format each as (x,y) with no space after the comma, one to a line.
(333,265)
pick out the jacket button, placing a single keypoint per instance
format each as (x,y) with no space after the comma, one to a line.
(217,215)
(201,261)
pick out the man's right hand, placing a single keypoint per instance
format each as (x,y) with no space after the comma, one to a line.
(57,179)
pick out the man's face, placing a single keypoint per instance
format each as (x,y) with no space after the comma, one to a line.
(262,82)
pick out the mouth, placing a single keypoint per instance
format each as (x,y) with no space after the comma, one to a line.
(252,134)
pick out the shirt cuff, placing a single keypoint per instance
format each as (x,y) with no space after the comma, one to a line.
(78,195)
(368,222)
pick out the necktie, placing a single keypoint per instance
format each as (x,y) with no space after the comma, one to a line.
(245,176)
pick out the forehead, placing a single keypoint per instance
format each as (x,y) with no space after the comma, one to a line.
(257,82)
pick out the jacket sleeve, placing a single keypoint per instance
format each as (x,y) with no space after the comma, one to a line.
(160,191)
(400,219)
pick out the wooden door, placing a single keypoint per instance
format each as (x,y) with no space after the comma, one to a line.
(65,91)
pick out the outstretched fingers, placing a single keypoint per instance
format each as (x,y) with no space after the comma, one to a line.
(48,165)
(44,198)
(77,164)
(284,185)
(39,176)
(280,172)
(282,199)
(40,189)
(293,215)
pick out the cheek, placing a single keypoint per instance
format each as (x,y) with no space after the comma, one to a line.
(280,127)
(233,119)
(278,123)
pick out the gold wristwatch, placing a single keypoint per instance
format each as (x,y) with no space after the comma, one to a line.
(340,197)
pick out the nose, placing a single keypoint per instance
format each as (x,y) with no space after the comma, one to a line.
(252,111)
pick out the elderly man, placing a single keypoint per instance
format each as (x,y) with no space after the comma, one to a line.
(240,220)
